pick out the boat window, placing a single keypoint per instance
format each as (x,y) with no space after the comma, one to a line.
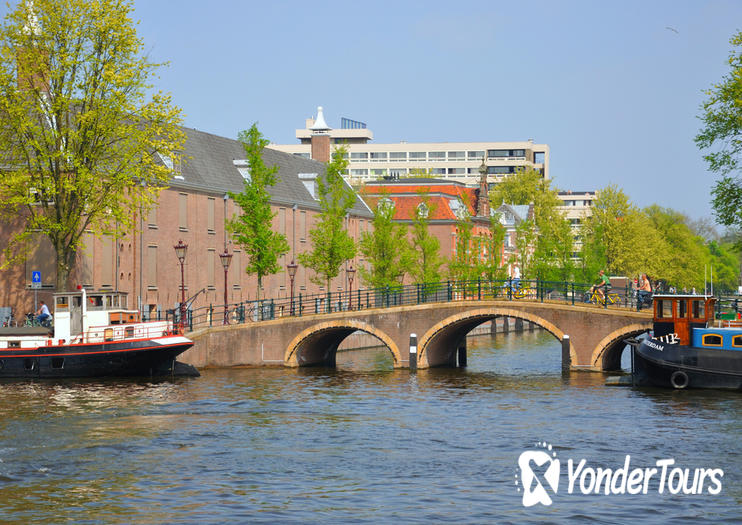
(77,301)
(699,310)
(130,332)
(737,341)
(14,344)
(682,309)
(664,308)
(712,340)
(57,362)
(108,334)
(62,303)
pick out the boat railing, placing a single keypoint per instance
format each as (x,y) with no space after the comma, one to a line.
(121,332)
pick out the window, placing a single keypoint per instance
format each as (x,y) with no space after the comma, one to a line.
(737,341)
(378,172)
(359,156)
(358,173)
(183,212)
(456,171)
(210,215)
(302,226)
(664,308)
(244,168)
(398,155)
(682,309)
(438,171)
(539,157)
(152,217)
(237,269)
(210,262)
(310,183)
(456,155)
(380,156)
(500,170)
(699,310)
(151,266)
(417,155)
(302,155)
(397,172)
(282,220)
(386,203)
(437,155)
(711,340)
(422,210)
(498,153)
(475,155)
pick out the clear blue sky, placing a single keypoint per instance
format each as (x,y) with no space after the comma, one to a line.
(609,87)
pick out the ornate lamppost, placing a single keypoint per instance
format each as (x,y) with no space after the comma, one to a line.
(180,251)
(226,259)
(291,268)
(351,274)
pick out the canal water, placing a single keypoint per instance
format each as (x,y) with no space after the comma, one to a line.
(365,444)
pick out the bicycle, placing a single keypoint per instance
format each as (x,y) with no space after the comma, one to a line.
(597,298)
(519,292)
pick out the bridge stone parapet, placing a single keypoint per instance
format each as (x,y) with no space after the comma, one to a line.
(596,334)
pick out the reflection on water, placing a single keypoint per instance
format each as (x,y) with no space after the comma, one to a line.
(365,443)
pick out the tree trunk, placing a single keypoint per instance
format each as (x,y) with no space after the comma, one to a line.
(65,262)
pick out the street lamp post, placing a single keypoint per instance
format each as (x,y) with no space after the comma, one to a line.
(226,259)
(351,273)
(180,251)
(291,268)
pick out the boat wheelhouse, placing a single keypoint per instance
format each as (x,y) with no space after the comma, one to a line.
(688,347)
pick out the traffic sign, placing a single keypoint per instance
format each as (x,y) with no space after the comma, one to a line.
(35,279)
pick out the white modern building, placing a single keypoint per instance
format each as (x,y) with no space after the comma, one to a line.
(576,207)
(455,161)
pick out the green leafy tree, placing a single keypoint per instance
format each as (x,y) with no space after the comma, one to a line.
(385,248)
(253,228)
(465,265)
(550,232)
(722,119)
(331,243)
(80,132)
(493,268)
(426,258)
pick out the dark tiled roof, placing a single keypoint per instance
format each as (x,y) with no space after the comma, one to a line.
(208,166)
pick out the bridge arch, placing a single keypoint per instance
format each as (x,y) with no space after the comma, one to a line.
(607,353)
(318,344)
(439,343)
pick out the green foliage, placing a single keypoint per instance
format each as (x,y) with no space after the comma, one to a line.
(253,228)
(426,260)
(545,244)
(385,248)
(492,267)
(331,244)
(464,264)
(722,118)
(657,241)
(80,133)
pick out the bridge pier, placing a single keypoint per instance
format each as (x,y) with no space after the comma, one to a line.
(518,324)
(462,353)
(566,357)
(505,327)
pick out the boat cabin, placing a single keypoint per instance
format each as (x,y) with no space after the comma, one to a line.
(681,314)
(78,311)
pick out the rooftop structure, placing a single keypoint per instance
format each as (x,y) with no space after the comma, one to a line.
(452,161)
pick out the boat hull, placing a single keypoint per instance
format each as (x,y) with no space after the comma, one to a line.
(143,357)
(656,363)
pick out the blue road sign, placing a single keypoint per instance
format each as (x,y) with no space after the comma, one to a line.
(35,279)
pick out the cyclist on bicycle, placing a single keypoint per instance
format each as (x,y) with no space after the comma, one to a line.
(43,313)
(603,286)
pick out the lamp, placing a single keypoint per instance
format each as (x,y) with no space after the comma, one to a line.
(291,268)
(180,251)
(226,259)
(351,274)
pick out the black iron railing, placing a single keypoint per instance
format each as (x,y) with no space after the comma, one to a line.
(399,295)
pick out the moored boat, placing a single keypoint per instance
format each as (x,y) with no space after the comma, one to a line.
(94,335)
(688,348)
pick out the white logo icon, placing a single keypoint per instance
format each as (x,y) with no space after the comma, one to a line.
(538,469)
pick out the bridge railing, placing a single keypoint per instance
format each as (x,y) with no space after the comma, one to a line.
(400,295)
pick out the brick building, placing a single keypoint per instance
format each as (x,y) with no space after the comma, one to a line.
(192,209)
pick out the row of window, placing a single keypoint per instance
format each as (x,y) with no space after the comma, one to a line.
(414,156)
(398,172)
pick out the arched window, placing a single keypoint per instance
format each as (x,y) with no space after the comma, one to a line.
(422,210)
(711,340)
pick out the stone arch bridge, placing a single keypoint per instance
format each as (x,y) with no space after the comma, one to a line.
(594,342)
